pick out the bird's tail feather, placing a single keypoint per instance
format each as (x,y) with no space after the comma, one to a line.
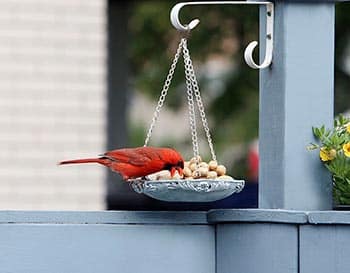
(103,161)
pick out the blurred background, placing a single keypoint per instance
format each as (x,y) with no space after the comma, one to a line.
(80,77)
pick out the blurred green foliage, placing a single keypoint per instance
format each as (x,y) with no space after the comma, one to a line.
(224,32)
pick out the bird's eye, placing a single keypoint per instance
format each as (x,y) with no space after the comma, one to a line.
(167,167)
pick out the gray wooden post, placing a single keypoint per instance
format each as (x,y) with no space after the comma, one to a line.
(296,93)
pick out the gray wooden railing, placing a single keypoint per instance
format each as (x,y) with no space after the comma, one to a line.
(223,241)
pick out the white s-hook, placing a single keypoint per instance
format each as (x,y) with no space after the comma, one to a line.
(248,53)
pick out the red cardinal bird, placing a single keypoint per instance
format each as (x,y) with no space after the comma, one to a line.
(137,162)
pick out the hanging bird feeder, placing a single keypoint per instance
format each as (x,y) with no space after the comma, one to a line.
(195,181)
(201,181)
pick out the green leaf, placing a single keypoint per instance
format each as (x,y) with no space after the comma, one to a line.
(312,146)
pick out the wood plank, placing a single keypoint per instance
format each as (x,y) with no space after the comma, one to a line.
(57,248)
(324,248)
(329,217)
(104,217)
(256,215)
(257,248)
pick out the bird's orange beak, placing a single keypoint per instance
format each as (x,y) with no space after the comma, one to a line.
(180,170)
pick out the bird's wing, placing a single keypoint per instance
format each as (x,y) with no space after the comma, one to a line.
(131,156)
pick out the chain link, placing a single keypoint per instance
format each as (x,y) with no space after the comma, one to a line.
(190,71)
(164,92)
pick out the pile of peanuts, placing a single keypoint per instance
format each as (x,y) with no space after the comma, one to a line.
(194,169)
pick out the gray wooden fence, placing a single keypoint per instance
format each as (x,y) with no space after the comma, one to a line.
(221,241)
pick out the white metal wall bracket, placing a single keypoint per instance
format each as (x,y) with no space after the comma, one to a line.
(248,53)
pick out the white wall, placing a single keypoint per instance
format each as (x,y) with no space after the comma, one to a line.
(52,103)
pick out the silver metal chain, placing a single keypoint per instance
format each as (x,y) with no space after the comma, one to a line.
(164,92)
(192,77)
(192,92)
(190,101)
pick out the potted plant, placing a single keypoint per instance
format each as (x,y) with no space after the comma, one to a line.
(334,150)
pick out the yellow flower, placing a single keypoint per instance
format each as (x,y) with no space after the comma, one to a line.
(332,153)
(346,149)
(327,155)
(348,128)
